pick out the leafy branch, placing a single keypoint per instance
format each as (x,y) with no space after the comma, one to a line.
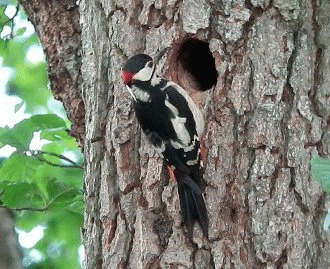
(11,21)
(34,183)
(39,155)
(41,209)
(25,208)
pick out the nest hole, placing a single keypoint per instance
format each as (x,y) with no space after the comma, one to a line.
(196,64)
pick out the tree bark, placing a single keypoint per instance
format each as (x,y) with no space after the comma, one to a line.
(267,115)
(10,255)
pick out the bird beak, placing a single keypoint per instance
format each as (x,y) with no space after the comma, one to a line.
(159,55)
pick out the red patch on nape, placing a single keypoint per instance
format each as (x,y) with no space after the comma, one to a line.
(127,77)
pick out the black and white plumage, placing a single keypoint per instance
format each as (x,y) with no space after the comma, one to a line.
(173,124)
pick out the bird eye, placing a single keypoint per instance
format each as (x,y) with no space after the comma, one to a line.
(150,64)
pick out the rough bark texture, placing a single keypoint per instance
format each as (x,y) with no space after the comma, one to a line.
(266,117)
(57,24)
(10,255)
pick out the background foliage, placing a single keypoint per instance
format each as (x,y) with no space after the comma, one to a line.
(41,172)
(321,172)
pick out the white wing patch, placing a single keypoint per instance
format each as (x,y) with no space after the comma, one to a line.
(187,148)
(197,114)
(178,125)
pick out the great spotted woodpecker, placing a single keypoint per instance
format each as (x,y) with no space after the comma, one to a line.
(173,123)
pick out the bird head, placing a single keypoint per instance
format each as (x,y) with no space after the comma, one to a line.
(140,67)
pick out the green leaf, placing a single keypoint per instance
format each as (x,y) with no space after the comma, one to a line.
(5,2)
(3,17)
(19,168)
(62,199)
(21,134)
(12,136)
(28,182)
(3,132)
(20,31)
(29,80)
(77,206)
(321,171)
(21,194)
(61,146)
(56,135)
(47,121)
(70,177)
(63,234)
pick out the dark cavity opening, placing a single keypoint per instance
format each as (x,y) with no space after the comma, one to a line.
(195,57)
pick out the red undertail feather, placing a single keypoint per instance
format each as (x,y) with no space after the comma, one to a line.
(170,172)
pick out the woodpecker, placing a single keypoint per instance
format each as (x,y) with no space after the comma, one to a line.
(173,124)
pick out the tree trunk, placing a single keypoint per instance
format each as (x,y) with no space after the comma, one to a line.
(267,115)
(10,255)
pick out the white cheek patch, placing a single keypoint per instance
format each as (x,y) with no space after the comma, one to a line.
(144,74)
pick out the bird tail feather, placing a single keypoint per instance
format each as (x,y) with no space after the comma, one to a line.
(192,205)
